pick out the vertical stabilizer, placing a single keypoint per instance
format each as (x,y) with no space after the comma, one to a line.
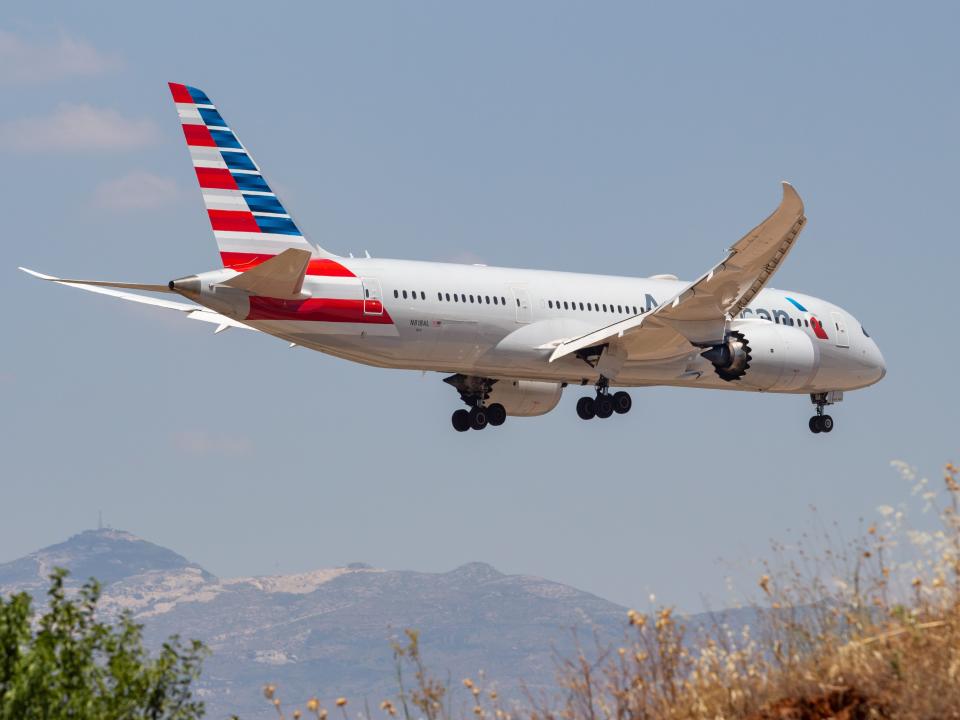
(249,221)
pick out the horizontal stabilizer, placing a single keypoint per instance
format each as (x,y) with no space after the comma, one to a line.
(279,277)
(193,312)
(98,283)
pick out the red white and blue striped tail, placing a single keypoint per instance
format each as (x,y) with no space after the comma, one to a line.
(249,222)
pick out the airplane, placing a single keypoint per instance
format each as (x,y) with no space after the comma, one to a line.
(510,339)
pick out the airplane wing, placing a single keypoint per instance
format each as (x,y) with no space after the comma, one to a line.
(194,312)
(699,313)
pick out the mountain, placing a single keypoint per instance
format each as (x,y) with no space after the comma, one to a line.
(327,632)
(108,555)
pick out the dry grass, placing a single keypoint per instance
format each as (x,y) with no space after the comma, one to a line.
(866,629)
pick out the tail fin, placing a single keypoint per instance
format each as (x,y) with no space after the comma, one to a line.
(250,223)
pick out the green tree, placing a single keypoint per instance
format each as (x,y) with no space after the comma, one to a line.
(68,664)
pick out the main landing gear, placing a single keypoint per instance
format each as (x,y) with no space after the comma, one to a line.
(475,392)
(821,423)
(605,404)
(478,417)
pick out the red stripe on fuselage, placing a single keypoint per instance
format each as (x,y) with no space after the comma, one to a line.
(818,329)
(180,93)
(328,268)
(323,267)
(315,309)
(198,136)
(236,221)
(215,179)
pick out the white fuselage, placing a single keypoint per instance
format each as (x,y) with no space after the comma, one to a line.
(504,323)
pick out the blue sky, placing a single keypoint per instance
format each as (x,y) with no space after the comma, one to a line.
(621,138)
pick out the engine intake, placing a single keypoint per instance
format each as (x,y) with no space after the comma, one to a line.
(732,358)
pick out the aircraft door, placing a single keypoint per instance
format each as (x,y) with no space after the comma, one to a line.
(840,327)
(521,299)
(372,299)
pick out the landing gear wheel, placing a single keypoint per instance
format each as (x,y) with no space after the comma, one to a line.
(622,402)
(586,408)
(496,414)
(461,420)
(604,406)
(478,418)
(815,424)
(826,423)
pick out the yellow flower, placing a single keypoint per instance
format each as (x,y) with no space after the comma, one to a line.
(765,583)
(313,705)
(341,701)
(467,683)
(297,714)
(268,691)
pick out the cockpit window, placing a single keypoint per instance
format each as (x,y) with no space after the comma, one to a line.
(865,333)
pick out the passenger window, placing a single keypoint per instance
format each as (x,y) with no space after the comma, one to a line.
(550,304)
(518,302)
(635,310)
(494,299)
(619,309)
(440,297)
(604,307)
(423,295)
(503,300)
(396,293)
(404,294)
(455,298)
(565,305)
(448,297)
(581,306)
(487,298)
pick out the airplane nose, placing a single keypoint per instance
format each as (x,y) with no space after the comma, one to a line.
(878,362)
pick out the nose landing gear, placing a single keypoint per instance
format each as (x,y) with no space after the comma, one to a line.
(605,404)
(821,423)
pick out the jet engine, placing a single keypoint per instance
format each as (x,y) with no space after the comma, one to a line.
(525,398)
(765,356)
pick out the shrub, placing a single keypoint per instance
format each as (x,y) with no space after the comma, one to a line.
(68,664)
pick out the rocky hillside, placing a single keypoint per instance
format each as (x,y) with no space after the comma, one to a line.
(327,632)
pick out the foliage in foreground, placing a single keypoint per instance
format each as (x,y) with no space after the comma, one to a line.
(68,664)
(869,629)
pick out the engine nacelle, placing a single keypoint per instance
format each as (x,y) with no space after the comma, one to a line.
(525,398)
(766,356)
